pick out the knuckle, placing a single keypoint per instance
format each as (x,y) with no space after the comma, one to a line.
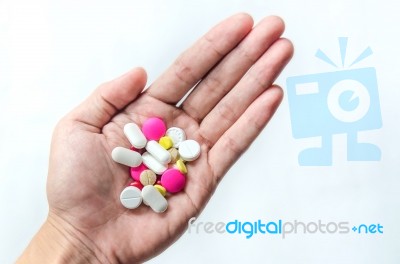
(210,44)
(233,146)
(246,54)
(183,71)
(227,112)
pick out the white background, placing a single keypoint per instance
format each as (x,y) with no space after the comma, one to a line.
(54,53)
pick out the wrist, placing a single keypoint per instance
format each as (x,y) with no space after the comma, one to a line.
(58,242)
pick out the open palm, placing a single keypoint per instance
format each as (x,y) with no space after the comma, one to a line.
(234,66)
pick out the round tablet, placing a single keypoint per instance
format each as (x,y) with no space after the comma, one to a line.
(154,128)
(173,180)
(135,171)
(148,177)
(189,150)
(177,135)
(131,197)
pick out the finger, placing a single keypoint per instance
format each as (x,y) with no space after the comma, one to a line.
(98,109)
(254,83)
(246,128)
(195,62)
(231,69)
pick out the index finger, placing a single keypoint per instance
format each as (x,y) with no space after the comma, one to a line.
(192,65)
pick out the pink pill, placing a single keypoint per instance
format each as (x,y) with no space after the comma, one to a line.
(136,184)
(173,180)
(137,150)
(154,128)
(135,171)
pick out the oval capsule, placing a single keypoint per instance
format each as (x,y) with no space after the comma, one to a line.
(158,152)
(135,135)
(126,157)
(153,164)
(153,198)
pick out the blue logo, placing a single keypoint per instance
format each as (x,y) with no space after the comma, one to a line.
(324,104)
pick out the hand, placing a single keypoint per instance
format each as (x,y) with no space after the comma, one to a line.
(236,66)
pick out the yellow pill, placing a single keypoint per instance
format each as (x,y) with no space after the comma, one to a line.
(181,166)
(166,142)
(160,189)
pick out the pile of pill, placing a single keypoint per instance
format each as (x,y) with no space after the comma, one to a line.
(157,160)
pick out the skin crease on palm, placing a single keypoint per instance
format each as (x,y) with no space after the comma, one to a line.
(236,64)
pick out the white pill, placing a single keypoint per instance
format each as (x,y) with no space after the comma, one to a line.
(135,135)
(154,199)
(158,152)
(177,135)
(126,157)
(189,150)
(131,197)
(153,164)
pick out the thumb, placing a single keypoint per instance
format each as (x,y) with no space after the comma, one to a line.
(109,98)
